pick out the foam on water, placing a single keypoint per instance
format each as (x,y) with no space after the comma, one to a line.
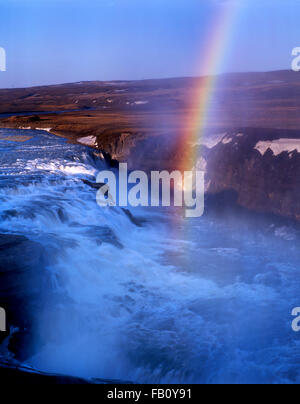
(209,302)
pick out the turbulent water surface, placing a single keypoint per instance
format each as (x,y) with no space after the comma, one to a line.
(206,300)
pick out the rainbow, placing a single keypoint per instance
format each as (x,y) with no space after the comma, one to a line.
(211,61)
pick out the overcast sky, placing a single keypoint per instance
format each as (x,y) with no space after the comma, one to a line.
(57,41)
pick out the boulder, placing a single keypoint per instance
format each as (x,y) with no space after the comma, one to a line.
(22,281)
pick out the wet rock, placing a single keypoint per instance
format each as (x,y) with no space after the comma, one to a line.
(21,375)
(22,280)
(265,183)
(94,185)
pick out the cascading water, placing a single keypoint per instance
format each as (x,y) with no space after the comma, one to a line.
(208,301)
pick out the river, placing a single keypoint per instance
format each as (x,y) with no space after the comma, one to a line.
(174,300)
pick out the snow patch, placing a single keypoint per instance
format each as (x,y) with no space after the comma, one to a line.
(88,140)
(115,83)
(278,146)
(45,129)
(141,102)
(227,140)
(29,128)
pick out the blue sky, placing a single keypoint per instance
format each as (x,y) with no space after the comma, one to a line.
(56,41)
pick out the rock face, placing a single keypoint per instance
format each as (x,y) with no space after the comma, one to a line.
(263,181)
(146,153)
(260,166)
(19,258)
(22,278)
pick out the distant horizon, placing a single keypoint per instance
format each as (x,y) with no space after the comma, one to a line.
(151,79)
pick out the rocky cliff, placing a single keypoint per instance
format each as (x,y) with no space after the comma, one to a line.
(261,166)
